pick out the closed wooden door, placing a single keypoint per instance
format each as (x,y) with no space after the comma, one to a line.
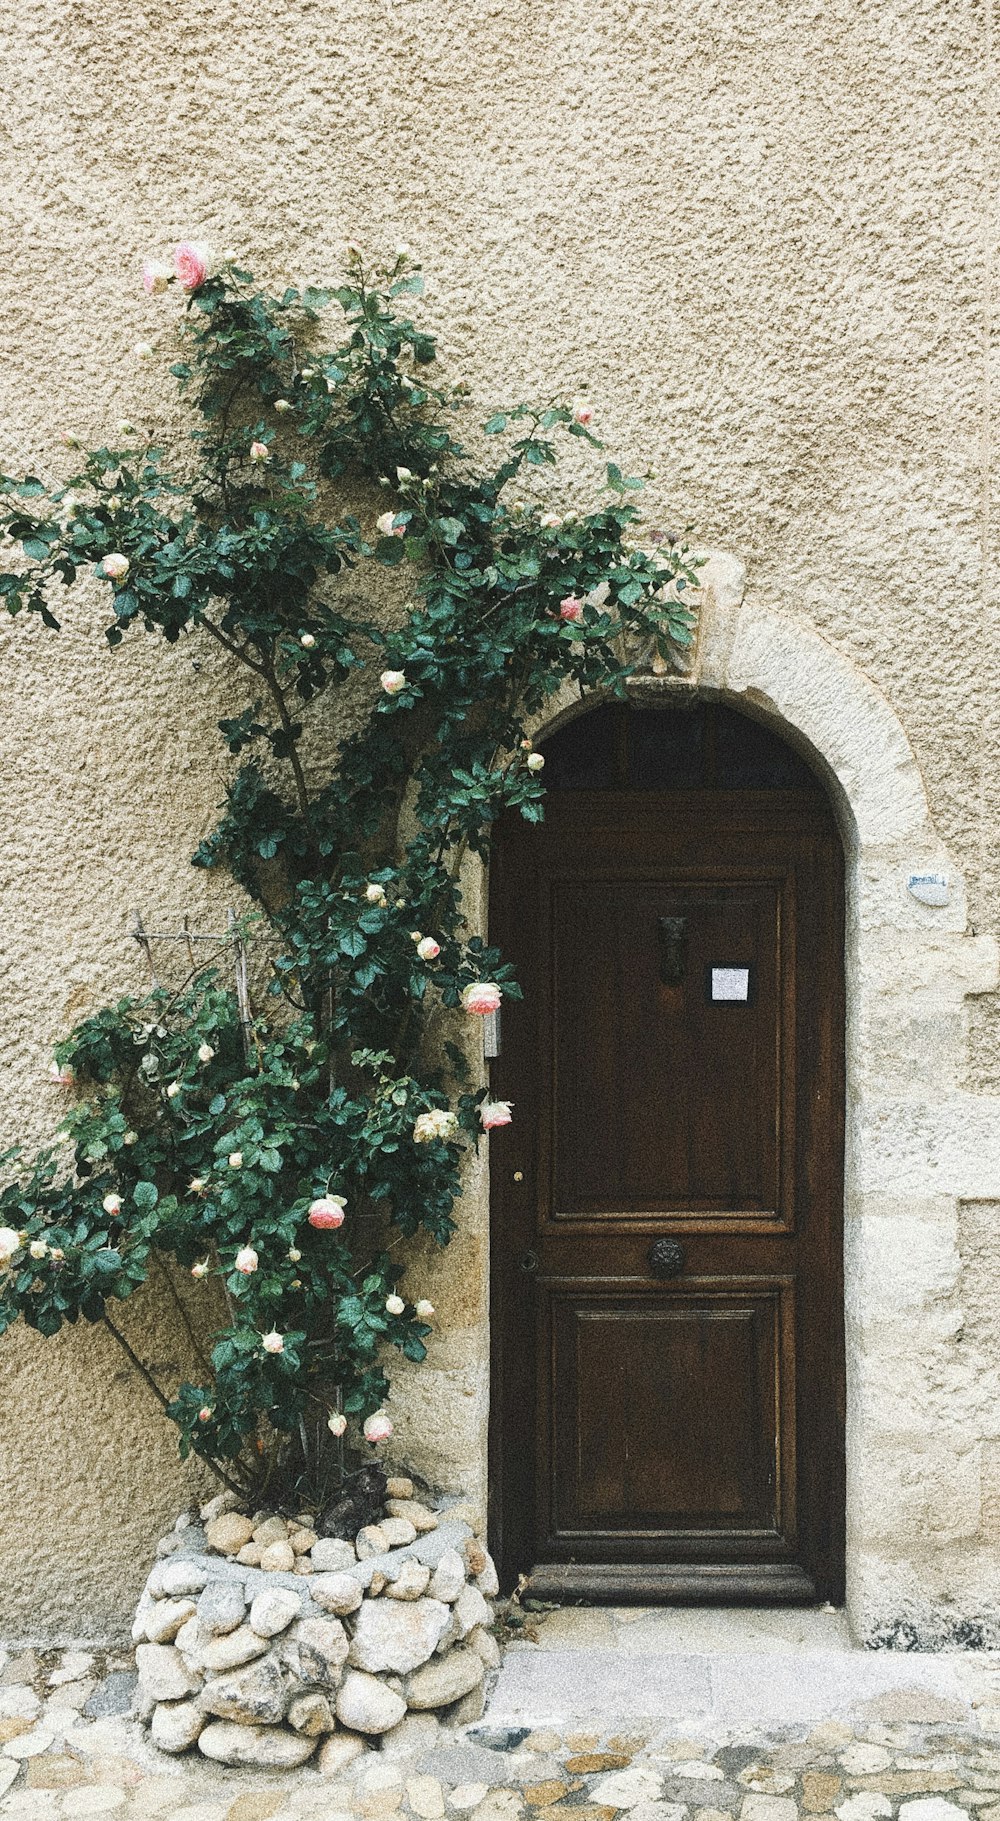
(667,1403)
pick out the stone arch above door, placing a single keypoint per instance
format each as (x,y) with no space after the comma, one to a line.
(921,1555)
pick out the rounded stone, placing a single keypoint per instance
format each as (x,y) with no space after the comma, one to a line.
(366,1705)
(182,1579)
(340,1751)
(262,1747)
(163,1673)
(222,1605)
(166,1618)
(445,1679)
(176,1725)
(397,1635)
(273,1610)
(398,1531)
(229,1652)
(253,1696)
(272,1530)
(338,1593)
(319,1647)
(311,1713)
(411,1581)
(448,1578)
(278,1558)
(228,1533)
(371,1540)
(415,1513)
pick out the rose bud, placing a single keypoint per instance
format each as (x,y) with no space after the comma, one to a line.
(394,1305)
(550,521)
(336,1422)
(61,1075)
(375,894)
(112,1204)
(282,404)
(125,428)
(205,1052)
(402,251)
(246,1261)
(116,566)
(197,1185)
(57,1255)
(204,1414)
(377,1428)
(307,641)
(428,949)
(393,681)
(571,608)
(67,438)
(582,412)
(482,997)
(175,1088)
(38,1248)
(353,250)
(416,935)
(327,1211)
(144,350)
(200,1269)
(192,259)
(403,475)
(294,1255)
(273,1342)
(155,277)
(236,1160)
(424,1310)
(494,1113)
(308,373)
(259,452)
(535,761)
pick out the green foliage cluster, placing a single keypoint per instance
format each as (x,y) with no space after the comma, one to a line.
(199,1138)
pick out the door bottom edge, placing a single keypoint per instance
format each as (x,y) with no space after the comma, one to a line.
(673,1583)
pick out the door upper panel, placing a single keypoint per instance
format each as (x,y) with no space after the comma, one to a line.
(670,1080)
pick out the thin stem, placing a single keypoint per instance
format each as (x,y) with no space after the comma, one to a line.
(278,697)
(164,1270)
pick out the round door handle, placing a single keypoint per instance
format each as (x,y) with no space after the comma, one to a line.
(528,1261)
(666,1258)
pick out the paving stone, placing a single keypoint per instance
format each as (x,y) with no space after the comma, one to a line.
(820,1791)
(425,1796)
(586,1762)
(469,1795)
(55,1770)
(114,1695)
(29,1744)
(542,1795)
(256,1805)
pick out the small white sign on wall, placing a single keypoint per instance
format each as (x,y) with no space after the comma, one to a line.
(731,984)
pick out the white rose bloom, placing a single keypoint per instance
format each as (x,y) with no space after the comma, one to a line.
(394,1305)
(9,1242)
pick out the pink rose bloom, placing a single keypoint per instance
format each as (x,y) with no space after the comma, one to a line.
(327,1211)
(155,277)
(428,949)
(583,413)
(259,452)
(61,1077)
(494,1113)
(115,566)
(571,608)
(192,259)
(393,681)
(483,996)
(246,1261)
(385,523)
(204,1414)
(377,1428)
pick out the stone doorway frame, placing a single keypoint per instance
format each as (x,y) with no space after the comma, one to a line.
(917,1143)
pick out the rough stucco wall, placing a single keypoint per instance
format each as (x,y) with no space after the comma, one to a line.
(761,234)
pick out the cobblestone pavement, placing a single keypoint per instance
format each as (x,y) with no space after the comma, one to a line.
(68,1749)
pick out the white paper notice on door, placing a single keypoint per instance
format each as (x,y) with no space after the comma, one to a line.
(731,983)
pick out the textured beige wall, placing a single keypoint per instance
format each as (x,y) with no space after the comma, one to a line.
(763,235)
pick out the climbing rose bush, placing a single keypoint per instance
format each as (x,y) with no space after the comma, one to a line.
(282,1159)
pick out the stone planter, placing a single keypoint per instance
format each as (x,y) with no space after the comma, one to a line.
(259,1643)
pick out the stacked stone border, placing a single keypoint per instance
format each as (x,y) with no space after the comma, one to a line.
(260,1642)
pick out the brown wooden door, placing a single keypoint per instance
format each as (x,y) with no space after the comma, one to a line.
(676,1073)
